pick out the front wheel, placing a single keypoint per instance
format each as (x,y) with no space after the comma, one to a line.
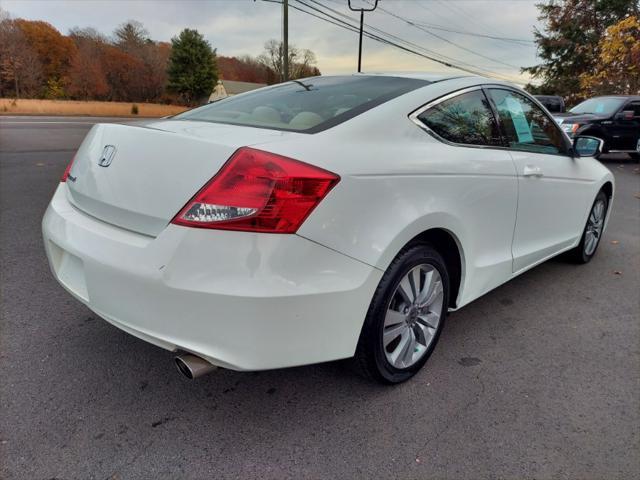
(593,230)
(405,317)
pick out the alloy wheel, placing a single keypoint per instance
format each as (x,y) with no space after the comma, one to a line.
(413,315)
(595,224)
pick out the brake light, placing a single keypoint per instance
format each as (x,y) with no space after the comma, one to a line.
(65,175)
(258,191)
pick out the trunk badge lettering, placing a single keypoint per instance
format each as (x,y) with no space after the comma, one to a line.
(106,158)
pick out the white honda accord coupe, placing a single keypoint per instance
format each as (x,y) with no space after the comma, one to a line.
(321,219)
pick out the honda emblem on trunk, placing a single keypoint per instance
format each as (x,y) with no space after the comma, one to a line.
(107,156)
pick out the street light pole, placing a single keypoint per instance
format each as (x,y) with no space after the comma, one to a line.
(361,10)
(360,42)
(285,40)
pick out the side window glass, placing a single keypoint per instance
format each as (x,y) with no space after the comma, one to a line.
(465,119)
(636,109)
(525,125)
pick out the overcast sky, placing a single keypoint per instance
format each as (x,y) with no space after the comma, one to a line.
(238,27)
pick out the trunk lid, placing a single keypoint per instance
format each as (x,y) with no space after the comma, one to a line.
(138,176)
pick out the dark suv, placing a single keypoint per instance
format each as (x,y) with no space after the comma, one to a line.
(614,119)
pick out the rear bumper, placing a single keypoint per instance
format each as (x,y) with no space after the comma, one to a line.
(240,300)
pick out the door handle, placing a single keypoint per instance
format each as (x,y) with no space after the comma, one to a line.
(532,171)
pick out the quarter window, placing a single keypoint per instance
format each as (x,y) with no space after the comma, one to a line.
(525,125)
(465,119)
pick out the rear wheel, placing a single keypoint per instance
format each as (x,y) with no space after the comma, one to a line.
(593,230)
(405,317)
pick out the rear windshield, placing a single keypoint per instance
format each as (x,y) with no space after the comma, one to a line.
(308,105)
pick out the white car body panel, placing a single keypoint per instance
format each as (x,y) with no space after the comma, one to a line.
(151,177)
(237,302)
(252,301)
(552,206)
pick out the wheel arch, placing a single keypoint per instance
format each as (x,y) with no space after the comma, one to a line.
(449,246)
(607,188)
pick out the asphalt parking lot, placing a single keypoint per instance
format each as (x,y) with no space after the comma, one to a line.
(538,379)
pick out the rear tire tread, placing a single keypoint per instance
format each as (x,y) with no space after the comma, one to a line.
(577,255)
(364,361)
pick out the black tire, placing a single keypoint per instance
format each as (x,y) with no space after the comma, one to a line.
(370,359)
(635,156)
(578,254)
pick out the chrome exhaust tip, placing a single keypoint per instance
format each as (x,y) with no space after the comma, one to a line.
(192,366)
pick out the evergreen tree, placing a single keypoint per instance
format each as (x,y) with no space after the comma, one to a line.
(192,66)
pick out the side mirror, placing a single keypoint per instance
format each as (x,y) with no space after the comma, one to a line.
(584,146)
(625,115)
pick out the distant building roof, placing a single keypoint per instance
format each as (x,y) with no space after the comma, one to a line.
(226,88)
(233,87)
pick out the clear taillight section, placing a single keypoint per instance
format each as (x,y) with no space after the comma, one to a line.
(258,191)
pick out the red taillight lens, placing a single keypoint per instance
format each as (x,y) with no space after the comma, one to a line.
(258,191)
(65,175)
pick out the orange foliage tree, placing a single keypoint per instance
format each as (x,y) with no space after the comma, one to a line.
(244,69)
(20,68)
(617,70)
(54,50)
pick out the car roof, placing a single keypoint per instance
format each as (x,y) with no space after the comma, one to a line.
(430,77)
(631,97)
(461,79)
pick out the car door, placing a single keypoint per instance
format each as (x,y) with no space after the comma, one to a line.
(627,130)
(553,187)
(475,183)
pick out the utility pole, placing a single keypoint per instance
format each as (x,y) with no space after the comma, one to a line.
(285,40)
(361,10)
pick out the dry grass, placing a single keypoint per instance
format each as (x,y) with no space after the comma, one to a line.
(9,106)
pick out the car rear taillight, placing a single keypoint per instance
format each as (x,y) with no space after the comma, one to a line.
(258,191)
(65,175)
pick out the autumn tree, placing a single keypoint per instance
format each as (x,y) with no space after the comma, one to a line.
(20,67)
(617,70)
(244,69)
(568,45)
(301,61)
(192,66)
(54,51)
(155,56)
(86,73)
(131,37)
(151,59)
(124,74)
(87,34)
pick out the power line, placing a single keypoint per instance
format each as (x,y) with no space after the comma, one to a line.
(383,40)
(449,62)
(463,31)
(458,12)
(440,37)
(518,41)
(348,26)
(406,42)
